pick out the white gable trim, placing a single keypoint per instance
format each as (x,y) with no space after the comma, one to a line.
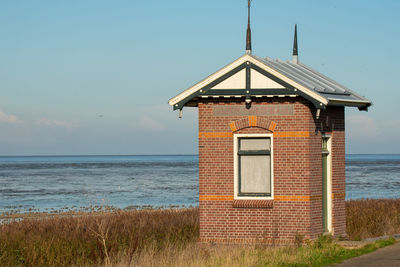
(208,80)
(173,101)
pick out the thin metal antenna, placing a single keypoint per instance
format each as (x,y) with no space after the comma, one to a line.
(248,35)
(295,49)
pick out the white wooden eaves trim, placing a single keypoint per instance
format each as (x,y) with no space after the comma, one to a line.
(339,101)
(208,80)
(237,63)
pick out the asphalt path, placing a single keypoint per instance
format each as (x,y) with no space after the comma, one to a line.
(387,256)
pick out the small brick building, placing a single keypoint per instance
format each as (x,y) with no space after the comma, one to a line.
(271,150)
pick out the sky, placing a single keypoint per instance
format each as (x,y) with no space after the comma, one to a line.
(94,77)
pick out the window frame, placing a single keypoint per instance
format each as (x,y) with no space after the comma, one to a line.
(236,142)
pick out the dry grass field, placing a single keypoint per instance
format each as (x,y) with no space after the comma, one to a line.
(94,238)
(168,238)
(372,217)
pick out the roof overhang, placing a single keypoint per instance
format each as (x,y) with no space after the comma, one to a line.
(361,104)
(242,68)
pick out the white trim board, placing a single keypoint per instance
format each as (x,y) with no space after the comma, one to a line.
(253,60)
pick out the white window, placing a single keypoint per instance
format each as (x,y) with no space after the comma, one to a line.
(253,162)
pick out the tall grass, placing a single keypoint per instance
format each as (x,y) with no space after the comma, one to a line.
(322,252)
(168,237)
(93,239)
(372,217)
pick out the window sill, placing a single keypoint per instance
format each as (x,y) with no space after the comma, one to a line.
(253,203)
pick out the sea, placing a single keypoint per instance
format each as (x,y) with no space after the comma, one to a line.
(45,183)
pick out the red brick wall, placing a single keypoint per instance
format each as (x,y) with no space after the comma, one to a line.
(297,205)
(333,122)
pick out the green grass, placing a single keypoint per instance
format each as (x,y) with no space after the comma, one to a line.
(324,252)
(321,252)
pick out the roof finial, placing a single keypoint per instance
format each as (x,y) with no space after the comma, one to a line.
(248,36)
(295,50)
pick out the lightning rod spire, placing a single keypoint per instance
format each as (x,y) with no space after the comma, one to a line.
(248,35)
(295,49)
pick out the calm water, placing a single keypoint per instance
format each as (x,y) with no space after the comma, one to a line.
(121,181)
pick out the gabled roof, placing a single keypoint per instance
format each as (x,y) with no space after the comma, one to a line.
(251,76)
(324,86)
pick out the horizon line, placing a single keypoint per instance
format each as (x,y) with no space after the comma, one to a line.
(111,155)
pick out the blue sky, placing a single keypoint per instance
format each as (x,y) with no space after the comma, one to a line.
(94,77)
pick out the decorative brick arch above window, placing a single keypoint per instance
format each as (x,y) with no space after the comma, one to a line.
(252,121)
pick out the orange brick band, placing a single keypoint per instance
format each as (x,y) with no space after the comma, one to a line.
(229,134)
(258,202)
(298,198)
(292,134)
(339,196)
(233,126)
(260,241)
(216,197)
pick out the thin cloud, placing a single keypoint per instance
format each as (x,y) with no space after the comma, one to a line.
(7,118)
(56,123)
(368,135)
(148,123)
(361,126)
